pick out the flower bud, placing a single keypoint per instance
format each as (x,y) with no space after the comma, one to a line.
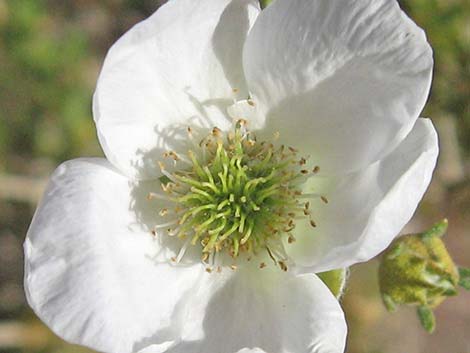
(418,270)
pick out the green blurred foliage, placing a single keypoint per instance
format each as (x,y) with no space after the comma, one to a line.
(44,97)
(447,26)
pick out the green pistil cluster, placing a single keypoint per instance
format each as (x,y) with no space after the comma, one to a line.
(237,194)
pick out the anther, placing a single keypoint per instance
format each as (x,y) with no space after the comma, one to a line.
(250,102)
(262,265)
(316,169)
(324,199)
(292,149)
(312,223)
(283,266)
(216,132)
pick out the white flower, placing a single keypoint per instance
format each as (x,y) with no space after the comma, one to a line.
(342,81)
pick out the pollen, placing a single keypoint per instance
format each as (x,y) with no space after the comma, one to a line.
(235,195)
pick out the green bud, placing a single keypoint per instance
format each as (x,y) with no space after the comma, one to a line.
(418,270)
(335,280)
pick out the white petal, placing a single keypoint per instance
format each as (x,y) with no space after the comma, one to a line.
(92,270)
(178,67)
(369,208)
(263,311)
(344,80)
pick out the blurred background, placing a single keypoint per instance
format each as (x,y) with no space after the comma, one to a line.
(50,56)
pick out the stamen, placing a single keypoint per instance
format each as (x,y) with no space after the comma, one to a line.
(237,195)
(165,225)
(182,251)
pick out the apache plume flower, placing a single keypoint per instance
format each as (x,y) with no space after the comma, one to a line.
(246,151)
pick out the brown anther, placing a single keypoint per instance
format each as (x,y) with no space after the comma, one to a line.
(216,131)
(154,233)
(306,212)
(324,199)
(297,193)
(283,266)
(235,90)
(149,196)
(173,259)
(250,102)
(312,223)
(262,265)
(190,131)
(208,270)
(233,267)
(302,161)
(174,156)
(307,205)
(291,214)
(316,169)
(291,239)
(163,212)
(304,171)
(242,122)
(292,149)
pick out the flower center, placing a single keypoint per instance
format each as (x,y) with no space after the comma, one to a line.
(237,196)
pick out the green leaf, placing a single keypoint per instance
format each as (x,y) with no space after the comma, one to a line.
(464,274)
(427,319)
(265,3)
(389,303)
(437,230)
(335,280)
